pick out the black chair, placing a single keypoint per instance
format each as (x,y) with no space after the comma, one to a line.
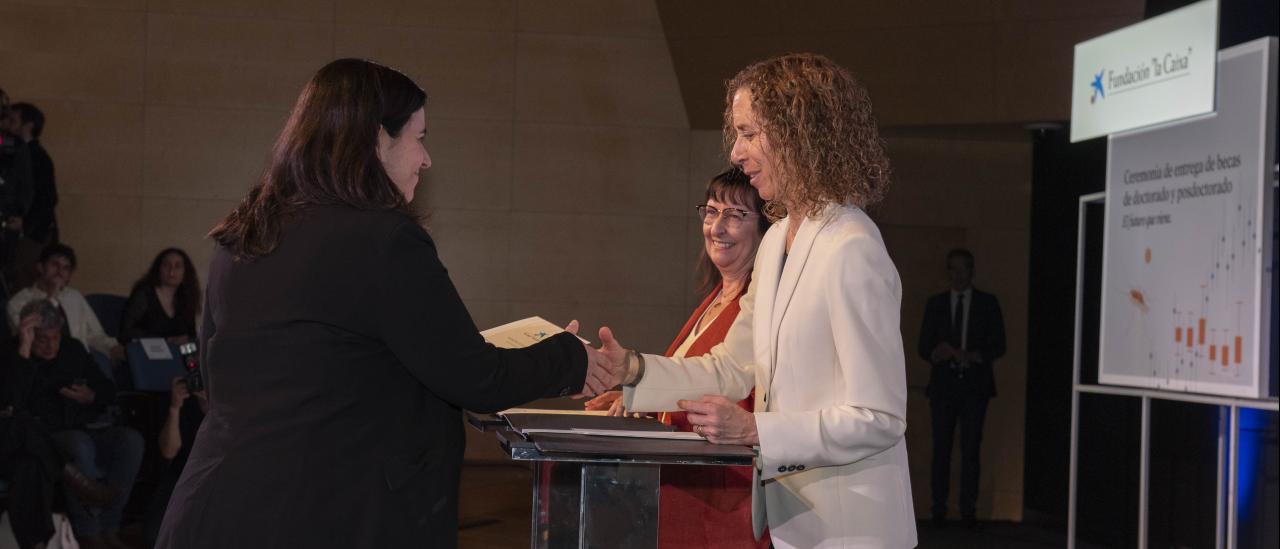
(109,309)
(4,296)
(113,412)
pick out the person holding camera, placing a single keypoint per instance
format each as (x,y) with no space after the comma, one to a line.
(66,393)
(187,409)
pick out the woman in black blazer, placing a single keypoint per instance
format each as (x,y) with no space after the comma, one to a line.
(337,353)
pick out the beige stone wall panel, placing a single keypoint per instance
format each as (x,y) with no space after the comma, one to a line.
(182,223)
(614,170)
(475,247)
(471,165)
(496,15)
(207,153)
(119,5)
(96,147)
(467,74)
(105,232)
(589,18)
(305,10)
(597,80)
(72,53)
(603,258)
(232,62)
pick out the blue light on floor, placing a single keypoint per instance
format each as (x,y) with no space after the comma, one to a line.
(1253,425)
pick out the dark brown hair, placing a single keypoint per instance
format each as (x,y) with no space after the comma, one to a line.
(58,249)
(186,298)
(31,114)
(961,253)
(730,185)
(326,153)
(817,119)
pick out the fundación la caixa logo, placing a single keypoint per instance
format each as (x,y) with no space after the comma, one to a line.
(1160,69)
(1098,91)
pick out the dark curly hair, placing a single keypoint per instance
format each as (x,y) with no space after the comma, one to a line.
(818,121)
(186,299)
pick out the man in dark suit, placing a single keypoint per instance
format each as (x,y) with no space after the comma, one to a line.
(40,225)
(962,336)
(15,191)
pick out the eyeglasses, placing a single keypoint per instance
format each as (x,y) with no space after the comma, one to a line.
(732,216)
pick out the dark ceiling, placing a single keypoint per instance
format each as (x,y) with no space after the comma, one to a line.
(926,62)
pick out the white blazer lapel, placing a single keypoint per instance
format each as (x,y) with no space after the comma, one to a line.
(791,270)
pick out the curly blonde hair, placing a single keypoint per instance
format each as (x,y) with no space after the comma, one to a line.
(818,120)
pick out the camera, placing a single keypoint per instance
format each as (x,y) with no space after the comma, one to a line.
(191,360)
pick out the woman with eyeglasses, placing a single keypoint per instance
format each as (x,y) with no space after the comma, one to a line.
(818,338)
(703,506)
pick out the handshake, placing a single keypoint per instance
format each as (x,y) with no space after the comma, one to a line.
(714,417)
(606,366)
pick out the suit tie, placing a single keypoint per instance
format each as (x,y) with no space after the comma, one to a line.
(957,321)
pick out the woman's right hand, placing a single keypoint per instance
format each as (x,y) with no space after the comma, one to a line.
(604,401)
(602,372)
(27,334)
(618,410)
(611,401)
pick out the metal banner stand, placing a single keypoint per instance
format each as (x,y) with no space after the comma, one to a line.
(1228,433)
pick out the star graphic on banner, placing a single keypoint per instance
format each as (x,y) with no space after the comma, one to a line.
(1097,87)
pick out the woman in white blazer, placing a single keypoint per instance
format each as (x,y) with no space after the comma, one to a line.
(818,334)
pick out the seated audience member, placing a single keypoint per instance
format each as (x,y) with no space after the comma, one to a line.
(186,411)
(66,393)
(56,265)
(29,459)
(30,469)
(164,302)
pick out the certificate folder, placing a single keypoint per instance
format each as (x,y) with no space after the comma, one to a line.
(533,428)
(562,443)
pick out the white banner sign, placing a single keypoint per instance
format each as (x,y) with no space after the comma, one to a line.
(1159,70)
(1188,241)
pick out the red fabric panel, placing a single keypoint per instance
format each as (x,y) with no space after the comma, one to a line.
(703,506)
